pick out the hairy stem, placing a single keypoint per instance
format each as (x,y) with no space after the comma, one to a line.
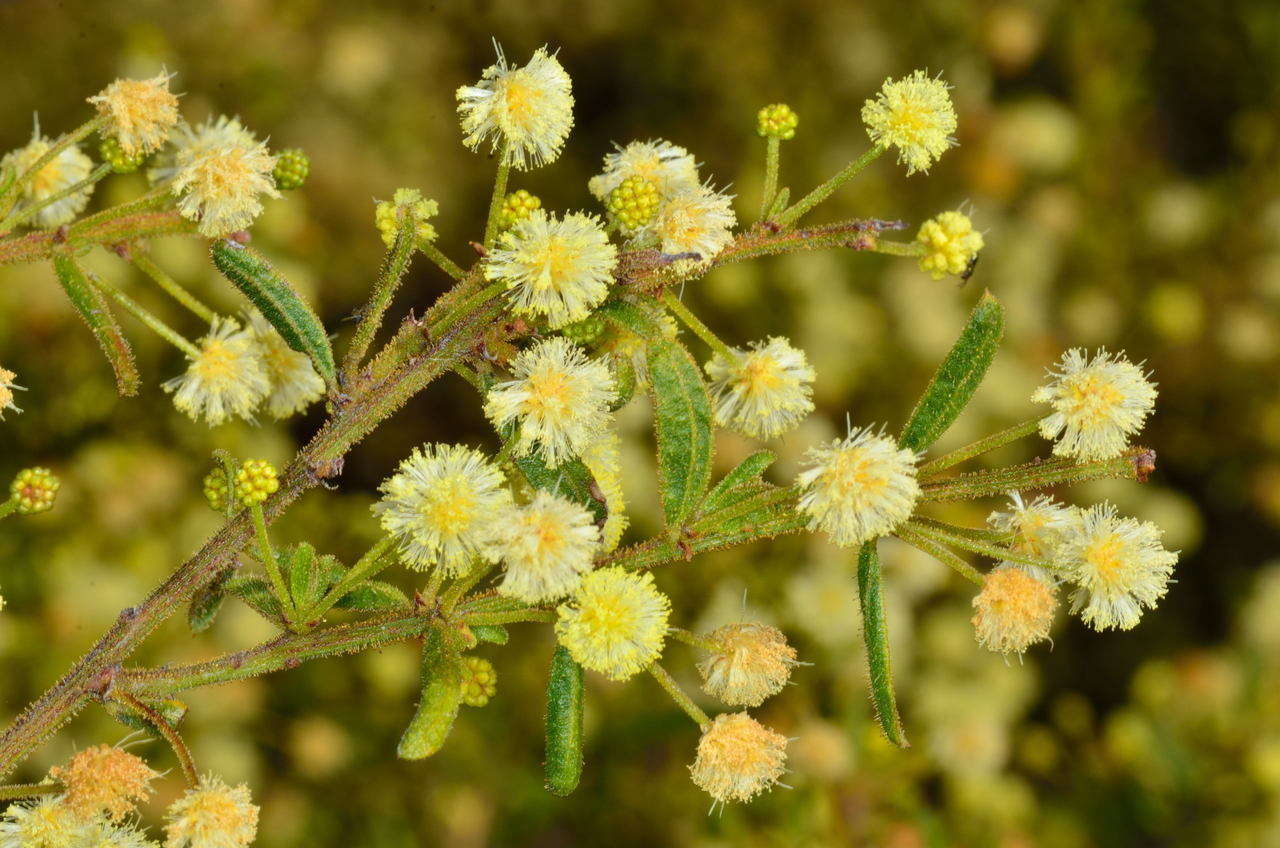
(694,323)
(168,731)
(969,451)
(144,315)
(172,287)
(678,695)
(25,214)
(772,146)
(822,192)
(499,195)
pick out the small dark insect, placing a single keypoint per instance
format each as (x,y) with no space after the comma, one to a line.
(968,270)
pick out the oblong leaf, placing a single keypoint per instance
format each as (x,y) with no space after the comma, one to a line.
(493,633)
(441,698)
(92,306)
(744,473)
(958,377)
(374,595)
(205,604)
(682,419)
(570,480)
(173,712)
(257,593)
(876,634)
(563,767)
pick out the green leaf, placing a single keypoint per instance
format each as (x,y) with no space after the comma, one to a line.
(205,604)
(372,596)
(876,634)
(172,711)
(744,479)
(93,309)
(441,698)
(682,417)
(563,767)
(278,303)
(633,317)
(493,633)
(256,592)
(958,377)
(571,480)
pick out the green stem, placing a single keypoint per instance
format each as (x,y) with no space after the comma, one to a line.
(25,214)
(1133,464)
(446,264)
(772,146)
(172,287)
(897,248)
(18,791)
(939,552)
(373,561)
(153,323)
(677,694)
(985,445)
(49,155)
(269,564)
(168,731)
(822,192)
(695,324)
(499,195)
(394,265)
(691,638)
(464,584)
(999,553)
(512,617)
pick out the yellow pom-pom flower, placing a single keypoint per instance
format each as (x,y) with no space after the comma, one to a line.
(226,380)
(858,488)
(523,112)
(517,206)
(256,481)
(444,506)
(750,662)
(763,391)
(559,397)
(139,114)
(44,823)
(190,142)
(616,622)
(7,388)
(603,459)
(546,546)
(34,490)
(557,269)
(1034,527)
(738,758)
(668,165)
(950,243)
(777,120)
(915,115)
(220,188)
(1098,403)
(295,385)
(212,815)
(479,681)
(406,203)
(698,221)
(68,167)
(105,780)
(1014,610)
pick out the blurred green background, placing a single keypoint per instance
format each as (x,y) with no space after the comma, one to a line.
(1122,158)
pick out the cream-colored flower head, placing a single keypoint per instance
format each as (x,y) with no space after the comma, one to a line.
(7,388)
(295,385)
(526,112)
(444,506)
(668,165)
(615,623)
(100,833)
(1118,565)
(1097,404)
(61,172)
(560,270)
(751,662)
(558,396)
(546,546)
(738,758)
(227,379)
(1014,610)
(915,115)
(139,114)
(189,142)
(858,488)
(44,823)
(1034,527)
(603,459)
(104,780)
(700,221)
(212,815)
(950,243)
(221,187)
(763,391)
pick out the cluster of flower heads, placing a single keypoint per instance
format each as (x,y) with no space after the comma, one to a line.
(96,803)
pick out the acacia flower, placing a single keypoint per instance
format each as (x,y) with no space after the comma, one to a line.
(950,243)
(105,780)
(559,397)
(547,546)
(100,833)
(858,488)
(189,142)
(212,815)
(220,187)
(615,623)
(139,113)
(7,387)
(699,220)
(750,662)
(763,391)
(227,380)
(915,115)
(526,112)
(1097,404)
(444,505)
(46,823)
(295,385)
(738,758)
(668,165)
(1035,527)
(1118,565)
(560,269)
(63,171)
(603,459)
(1014,610)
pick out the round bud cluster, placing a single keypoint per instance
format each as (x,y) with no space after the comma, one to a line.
(113,154)
(406,201)
(34,490)
(777,121)
(292,167)
(584,332)
(255,481)
(516,207)
(479,681)
(948,244)
(216,489)
(634,203)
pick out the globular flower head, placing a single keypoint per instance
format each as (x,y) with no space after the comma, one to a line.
(698,221)
(526,112)
(189,142)
(950,243)
(668,165)
(479,681)
(105,780)
(763,391)
(1034,527)
(406,204)
(212,815)
(1098,403)
(517,206)
(221,187)
(63,171)
(1014,610)
(444,505)
(557,269)
(858,488)
(915,115)
(35,490)
(750,662)
(738,758)
(110,151)
(292,167)
(546,546)
(256,480)
(44,823)
(139,113)
(559,397)
(295,385)
(777,120)
(633,204)
(226,380)
(7,387)
(616,622)
(216,489)
(1118,565)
